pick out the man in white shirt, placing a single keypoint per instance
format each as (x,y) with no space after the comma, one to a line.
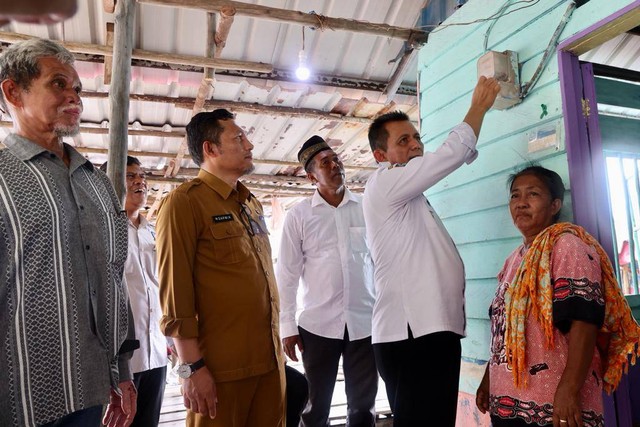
(149,362)
(419,315)
(323,242)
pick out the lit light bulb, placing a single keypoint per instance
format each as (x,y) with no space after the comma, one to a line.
(302,72)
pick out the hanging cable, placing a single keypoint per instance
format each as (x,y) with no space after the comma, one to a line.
(553,43)
(302,72)
(496,15)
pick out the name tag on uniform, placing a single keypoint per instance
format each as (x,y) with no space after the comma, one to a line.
(222,218)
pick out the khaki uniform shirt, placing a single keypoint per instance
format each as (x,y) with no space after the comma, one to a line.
(216,277)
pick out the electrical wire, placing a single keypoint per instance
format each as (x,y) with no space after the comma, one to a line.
(526,88)
(496,15)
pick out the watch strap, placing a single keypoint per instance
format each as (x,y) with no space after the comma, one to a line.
(196,365)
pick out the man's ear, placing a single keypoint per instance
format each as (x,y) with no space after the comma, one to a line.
(11,92)
(209,149)
(311,177)
(379,155)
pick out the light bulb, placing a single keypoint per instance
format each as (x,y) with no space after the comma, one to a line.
(302,72)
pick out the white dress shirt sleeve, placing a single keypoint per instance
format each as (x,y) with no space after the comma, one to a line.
(403,183)
(288,272)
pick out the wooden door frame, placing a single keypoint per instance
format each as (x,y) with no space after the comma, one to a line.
(583,143)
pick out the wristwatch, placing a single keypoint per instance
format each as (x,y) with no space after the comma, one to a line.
(185,370)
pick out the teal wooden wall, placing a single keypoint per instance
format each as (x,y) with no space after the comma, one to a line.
(473,200)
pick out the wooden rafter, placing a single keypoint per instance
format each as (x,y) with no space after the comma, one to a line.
(92,150)
(293,16)
(168,58)
(256,178)
(244,107)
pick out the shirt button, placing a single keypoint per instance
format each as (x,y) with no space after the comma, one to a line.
(266,273)
(81,207)
(87,247)
(258,249)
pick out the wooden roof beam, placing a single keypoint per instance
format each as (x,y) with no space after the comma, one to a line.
(240,107)
(90,150)
(293,16)
(146,55)
(259,178)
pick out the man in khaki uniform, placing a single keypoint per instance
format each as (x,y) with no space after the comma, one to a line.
(217,288)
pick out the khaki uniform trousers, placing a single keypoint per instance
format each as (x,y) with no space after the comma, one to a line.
(251,402)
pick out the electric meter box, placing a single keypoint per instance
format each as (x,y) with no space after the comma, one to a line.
(502,66)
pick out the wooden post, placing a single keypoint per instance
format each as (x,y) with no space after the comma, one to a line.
(108,60)
(119,95)
(222,32)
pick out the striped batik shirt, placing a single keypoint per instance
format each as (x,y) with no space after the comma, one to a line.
(64,312)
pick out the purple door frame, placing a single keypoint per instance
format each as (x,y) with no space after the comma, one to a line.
(587,171)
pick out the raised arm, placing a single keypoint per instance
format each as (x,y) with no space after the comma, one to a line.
(482,99)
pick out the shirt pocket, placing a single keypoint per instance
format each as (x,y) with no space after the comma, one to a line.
(229,242)
(358,239)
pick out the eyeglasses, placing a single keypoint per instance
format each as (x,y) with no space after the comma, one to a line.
(245,217)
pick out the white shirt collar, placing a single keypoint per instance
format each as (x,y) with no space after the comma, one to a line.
(317,199)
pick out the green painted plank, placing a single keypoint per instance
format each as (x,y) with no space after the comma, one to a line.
(460,82)
(485,259)
(488,197)
(497,124)
(476,344)
(462,37)
(471,372)
(616,92)
(520,33)
(478,296)
(495,224)
(468,173)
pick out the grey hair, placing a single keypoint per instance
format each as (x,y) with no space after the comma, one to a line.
(19,62)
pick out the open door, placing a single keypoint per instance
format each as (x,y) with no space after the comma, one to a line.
(589,191)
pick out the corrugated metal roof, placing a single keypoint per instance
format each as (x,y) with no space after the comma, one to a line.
(622,51)
(278,137)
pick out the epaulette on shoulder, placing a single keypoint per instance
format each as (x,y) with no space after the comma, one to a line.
(190,184)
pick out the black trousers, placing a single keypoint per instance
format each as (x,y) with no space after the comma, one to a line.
(150,385)
(421,377)
(89,417)
(320,360)
(297,394)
